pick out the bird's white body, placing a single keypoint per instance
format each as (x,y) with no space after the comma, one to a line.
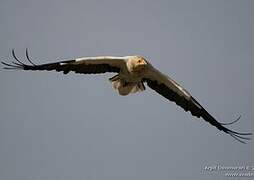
(129,79)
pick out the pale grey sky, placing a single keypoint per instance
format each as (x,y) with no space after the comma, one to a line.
(77,127)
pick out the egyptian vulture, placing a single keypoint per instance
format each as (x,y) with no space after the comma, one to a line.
(132,73)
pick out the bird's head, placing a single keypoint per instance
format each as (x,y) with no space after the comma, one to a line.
(137,63)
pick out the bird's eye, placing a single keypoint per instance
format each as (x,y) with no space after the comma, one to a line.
(139,61)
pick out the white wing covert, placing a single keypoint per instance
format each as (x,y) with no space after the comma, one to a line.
(87,65)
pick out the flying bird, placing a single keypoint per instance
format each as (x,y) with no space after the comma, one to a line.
(132,73)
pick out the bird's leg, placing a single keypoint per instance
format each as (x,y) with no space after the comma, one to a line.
(124,83)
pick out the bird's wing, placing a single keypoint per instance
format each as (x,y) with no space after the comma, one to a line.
(86,65)
(171,90)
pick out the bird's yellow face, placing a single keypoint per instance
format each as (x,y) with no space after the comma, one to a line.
(139,63)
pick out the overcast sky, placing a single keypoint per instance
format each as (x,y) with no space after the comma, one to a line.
(55,126)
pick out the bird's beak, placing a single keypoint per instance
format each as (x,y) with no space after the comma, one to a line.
(143,63)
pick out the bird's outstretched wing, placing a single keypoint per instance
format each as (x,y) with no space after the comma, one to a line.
(86,65)
(171,90)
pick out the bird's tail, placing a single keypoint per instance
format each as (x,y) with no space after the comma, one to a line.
(124,88)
